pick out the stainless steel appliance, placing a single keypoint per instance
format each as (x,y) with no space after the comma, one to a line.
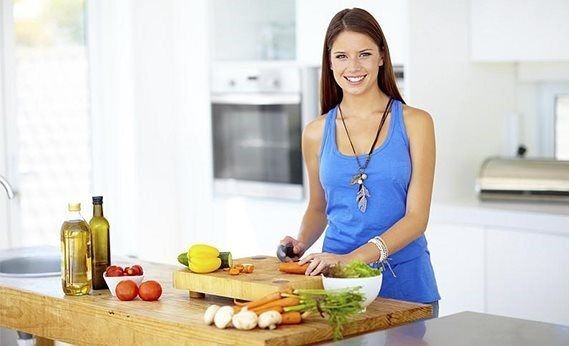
(524,179)
(258,113)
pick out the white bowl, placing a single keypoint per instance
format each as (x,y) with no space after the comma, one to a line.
(370,286)
(113,281)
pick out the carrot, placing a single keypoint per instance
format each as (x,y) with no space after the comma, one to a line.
(278,309)
(239,267)
(293,267)
(265,300)
(292,317)
(234,271)
(288,301)
(248,268)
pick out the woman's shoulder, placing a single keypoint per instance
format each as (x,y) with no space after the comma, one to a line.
(416,118)
(314,129)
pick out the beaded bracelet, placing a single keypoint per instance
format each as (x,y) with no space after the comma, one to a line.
(381,246)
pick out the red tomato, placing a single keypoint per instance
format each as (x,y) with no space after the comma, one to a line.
(138,268)
(114,271)
(150,290)
(130,271)
(126,290)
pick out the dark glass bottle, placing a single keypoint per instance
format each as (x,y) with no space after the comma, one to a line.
(100,242)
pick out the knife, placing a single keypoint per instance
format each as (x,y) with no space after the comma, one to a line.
(284,251)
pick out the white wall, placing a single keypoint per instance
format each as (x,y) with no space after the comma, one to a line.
(173,135)
(468,101)
(170,203)
(151,124)
(174,205)
(314,16)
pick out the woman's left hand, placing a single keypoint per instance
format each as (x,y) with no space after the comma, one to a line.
(319,262)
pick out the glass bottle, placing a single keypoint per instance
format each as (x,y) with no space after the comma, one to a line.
(101,243)
(75,253)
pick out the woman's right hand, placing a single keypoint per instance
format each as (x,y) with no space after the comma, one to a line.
(298,248)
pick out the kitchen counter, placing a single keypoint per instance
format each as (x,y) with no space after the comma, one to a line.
(543,217)
(467,328)
(39,307)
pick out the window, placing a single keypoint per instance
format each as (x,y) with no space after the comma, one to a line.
(52,142)
(562,127)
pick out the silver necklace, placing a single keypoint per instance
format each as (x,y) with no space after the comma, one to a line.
(359,178)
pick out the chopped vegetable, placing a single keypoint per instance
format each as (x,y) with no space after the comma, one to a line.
(293,268)
(354,269)
(239,267)
(248,268)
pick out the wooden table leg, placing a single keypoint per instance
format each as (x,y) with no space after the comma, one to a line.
(197,295)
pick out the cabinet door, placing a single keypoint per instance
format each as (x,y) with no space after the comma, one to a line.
(528,275)
(457,254)
(530,30)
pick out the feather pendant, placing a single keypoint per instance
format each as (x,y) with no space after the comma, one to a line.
(361,198)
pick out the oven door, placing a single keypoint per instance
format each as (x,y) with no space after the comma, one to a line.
(256,144)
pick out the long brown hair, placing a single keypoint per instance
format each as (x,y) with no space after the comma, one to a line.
(361,21)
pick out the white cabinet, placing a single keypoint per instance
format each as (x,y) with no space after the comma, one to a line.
(528,275)
(313,17)
(510,30)
(457,254)
(253,30)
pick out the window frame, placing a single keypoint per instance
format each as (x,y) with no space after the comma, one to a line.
(9,209)
(547,117)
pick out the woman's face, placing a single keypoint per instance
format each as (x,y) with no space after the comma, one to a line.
(355,61)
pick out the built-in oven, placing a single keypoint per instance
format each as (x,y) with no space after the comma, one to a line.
(258,112)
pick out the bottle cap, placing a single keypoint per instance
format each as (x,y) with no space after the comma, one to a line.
(97,199)
(74,206)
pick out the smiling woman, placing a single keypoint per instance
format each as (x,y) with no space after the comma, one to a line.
(370,160)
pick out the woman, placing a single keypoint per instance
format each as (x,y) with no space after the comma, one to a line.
(370,161)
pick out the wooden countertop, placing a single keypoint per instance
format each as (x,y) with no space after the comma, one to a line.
(38,306)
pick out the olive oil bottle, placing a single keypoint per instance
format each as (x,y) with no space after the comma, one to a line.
(75,253)
(101,243)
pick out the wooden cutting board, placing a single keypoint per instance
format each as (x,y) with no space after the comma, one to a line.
(265,279)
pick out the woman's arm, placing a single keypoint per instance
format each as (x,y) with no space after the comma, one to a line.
(314,220)
(421,134)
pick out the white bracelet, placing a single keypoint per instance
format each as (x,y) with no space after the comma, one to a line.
(381,247)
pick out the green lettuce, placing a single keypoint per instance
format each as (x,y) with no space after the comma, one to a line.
(354,269)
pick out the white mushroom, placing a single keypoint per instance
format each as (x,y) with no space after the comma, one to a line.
(223,316)
(245,319)
(209,314)
(269,319)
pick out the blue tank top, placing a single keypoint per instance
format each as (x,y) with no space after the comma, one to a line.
(389,174)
